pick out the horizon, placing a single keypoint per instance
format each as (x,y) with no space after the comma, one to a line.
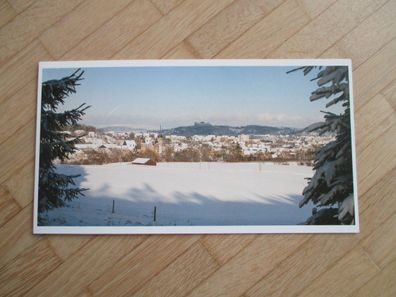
(171,96)
(190,125)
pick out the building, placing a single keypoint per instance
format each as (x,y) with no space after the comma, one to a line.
(130,144)
(144,161)
(79,132)
(91,134)
(243,137)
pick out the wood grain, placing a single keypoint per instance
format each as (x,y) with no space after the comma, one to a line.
(269,33)
(207,265)
(20,70)
(21,192)
(15,154)
(28,269)
(383,117)
(182,51)
(375,74)
(153,255)
(30,23)
(70,27)
(184,20)
(380,243)
(311,260)
(223,248)
(389,93)
(253,262)
(351,272)
(20,5)
(360,43)
(383,284)
(16,236)
(229,24)
(8,206)
(116,32)
(326,29)
(182,275)
(99,255)
(166,6)
(20,106)
(369,169)
(7,13)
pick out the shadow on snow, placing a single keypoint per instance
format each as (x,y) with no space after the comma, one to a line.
(183,209)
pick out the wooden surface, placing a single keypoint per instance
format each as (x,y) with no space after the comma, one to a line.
(200,265)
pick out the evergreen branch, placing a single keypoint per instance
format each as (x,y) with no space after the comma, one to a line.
(56,189)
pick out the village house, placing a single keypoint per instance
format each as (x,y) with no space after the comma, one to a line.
(79,132)
(144,161)
(129,144)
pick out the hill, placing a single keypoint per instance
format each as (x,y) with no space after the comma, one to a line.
(203,128)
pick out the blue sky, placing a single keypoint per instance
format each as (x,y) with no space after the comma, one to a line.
(147,97)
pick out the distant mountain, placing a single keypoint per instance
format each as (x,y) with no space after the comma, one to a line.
(315,128)
(203,128)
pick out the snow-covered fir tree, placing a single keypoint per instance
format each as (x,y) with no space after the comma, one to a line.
(331,187)
(55,188)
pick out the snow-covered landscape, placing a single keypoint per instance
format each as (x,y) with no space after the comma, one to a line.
(185,194)
(196,146)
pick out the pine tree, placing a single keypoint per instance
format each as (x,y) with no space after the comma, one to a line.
(331,187)
(56,188)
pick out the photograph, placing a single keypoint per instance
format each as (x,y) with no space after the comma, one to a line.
(195,146)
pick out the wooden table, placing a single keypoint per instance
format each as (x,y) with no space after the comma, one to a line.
(215,265)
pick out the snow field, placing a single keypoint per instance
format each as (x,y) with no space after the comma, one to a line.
(186,194)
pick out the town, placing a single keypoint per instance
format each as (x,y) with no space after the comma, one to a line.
(100,147)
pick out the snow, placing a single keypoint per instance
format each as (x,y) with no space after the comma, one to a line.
(140,160)
(186,194)
(129,144)
(347,207)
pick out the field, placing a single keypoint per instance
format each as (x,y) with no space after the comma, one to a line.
(185,194)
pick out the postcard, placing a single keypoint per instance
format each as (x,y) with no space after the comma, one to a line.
(195,146)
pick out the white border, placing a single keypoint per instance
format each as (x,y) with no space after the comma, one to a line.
(193,229)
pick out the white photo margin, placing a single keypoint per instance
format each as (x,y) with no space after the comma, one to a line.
(194,229)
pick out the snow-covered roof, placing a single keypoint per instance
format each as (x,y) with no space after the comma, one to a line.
(130,143)
(141,160)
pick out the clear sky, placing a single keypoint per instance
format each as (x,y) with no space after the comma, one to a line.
(147,97)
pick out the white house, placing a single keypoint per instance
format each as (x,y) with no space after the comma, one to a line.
(130,144)
(91,134)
